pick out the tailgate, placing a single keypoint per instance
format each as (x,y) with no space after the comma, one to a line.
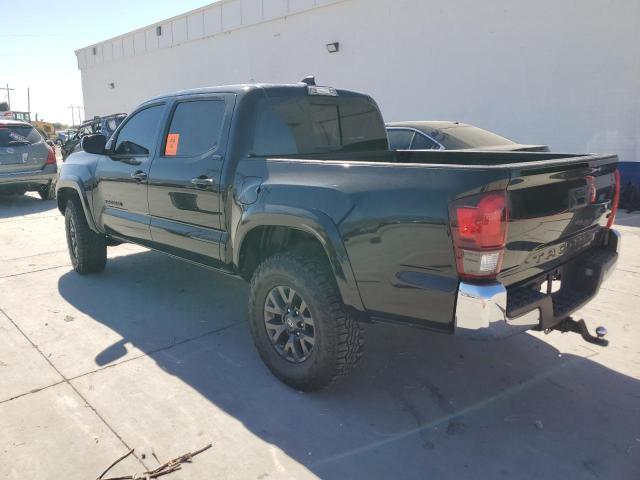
(556,210)
(22,149)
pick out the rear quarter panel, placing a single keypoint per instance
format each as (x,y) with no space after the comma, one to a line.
(392,220)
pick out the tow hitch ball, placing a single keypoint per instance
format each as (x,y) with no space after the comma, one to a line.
(579,326)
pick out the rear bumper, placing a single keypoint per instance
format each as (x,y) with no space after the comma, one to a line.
(27,180)
(491,311)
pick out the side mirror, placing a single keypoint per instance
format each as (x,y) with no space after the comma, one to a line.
(94,144)
(50,143)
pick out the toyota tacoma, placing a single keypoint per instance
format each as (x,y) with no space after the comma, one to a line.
(294,189)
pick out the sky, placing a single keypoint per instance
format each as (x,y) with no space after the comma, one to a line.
(38,39)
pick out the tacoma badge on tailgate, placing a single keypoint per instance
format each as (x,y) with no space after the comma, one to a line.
(572,245)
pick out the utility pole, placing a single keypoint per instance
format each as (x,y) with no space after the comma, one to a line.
(9,90)
(79,114)
(29,100)
(73,118)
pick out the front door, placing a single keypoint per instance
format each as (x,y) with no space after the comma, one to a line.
(120,196)
(184,180)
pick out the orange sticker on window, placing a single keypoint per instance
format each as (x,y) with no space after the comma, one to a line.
(173,140)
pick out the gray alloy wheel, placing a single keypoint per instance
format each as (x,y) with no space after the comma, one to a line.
(73,238)
(298,321)
(289,324)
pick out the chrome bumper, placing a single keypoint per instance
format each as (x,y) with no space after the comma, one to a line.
(481,310)
(481,313)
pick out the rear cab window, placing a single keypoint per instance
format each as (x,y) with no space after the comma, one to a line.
(16,135)
(302,125)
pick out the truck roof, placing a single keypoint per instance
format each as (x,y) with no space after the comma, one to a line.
(243,89)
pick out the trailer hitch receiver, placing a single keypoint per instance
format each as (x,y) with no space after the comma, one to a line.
(579,326)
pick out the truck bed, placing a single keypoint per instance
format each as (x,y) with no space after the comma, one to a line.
(395,221)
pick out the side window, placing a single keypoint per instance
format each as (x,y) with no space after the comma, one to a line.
(400,139)
(136,137)
(421,142)
(195,128)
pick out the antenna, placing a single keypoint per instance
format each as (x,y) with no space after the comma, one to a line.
(311,80)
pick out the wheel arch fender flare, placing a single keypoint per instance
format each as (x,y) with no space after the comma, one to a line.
(74,182)
(315,223)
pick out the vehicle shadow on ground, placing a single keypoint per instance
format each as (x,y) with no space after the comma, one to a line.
(421,405)
(18,205)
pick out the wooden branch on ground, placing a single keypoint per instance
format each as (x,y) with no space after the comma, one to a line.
(165,469)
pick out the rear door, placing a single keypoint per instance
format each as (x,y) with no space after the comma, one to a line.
(184,181)
(120,197)
(22,149)
(556,211)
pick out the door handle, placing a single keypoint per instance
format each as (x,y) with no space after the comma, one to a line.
(139,176)
(129,160)
(202,182)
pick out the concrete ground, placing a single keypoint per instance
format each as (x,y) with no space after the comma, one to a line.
(154,354)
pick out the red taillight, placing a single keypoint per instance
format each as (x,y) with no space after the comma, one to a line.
(51,156)
(479,230)
(615,200)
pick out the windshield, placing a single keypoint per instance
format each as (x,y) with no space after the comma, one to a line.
(465,136)
(305,125)
(12,135)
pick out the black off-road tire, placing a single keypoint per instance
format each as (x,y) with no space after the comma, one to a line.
(89,254)
(338,337)
(47,192)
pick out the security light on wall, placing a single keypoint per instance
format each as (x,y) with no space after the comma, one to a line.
(111,85)
(159,31)
(333,47)
(94,50)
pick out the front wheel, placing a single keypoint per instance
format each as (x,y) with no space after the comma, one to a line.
(298,321)
(87,249)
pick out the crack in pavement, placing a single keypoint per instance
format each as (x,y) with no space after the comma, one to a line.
(14,220)
(32,271)
(34,255)
(115,364)
(66,380)
(35,390)
(157,350)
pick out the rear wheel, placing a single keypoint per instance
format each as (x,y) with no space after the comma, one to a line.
(298,321)
(87,249)
(47,192)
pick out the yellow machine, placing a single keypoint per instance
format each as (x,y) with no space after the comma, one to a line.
(46,129)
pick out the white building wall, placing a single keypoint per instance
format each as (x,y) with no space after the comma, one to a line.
(560,72)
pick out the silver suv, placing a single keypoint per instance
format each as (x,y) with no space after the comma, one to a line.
(27,163)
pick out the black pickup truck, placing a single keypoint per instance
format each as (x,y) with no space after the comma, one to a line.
(294,188)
